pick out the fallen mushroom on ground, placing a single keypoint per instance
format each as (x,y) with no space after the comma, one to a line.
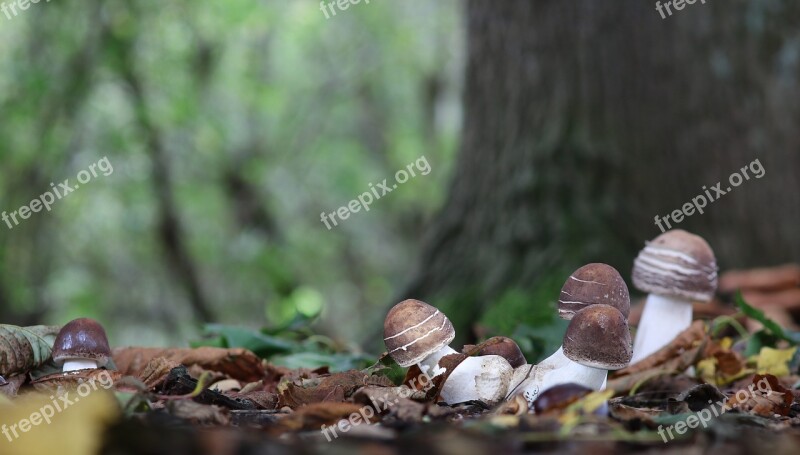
(676,268)
(416,333)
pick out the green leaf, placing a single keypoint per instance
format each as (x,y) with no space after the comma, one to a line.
(768,323)
(25,348)
(336,362)
(262,345)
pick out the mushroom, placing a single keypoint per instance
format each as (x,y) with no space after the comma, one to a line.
(504,347)
(676,268)
(559,397)
(416,333)
(597,340)
(81,345)
(592,284)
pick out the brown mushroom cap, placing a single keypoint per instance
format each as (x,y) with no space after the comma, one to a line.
(504,347)
(82,339)
(593,284)
(559,397)
(413,330)
(598,336)
(679,264)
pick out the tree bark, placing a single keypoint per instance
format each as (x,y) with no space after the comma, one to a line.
(585,119)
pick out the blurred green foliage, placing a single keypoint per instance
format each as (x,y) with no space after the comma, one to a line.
(268,114)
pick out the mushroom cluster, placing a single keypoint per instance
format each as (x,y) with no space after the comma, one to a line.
(592,285)
(676,269)
(416,333)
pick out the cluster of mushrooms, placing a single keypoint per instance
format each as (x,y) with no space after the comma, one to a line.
(675,269)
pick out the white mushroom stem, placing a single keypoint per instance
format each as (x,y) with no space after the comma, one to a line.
(484,378)
(430,365)
(662,320)
(590,377)
(79,364)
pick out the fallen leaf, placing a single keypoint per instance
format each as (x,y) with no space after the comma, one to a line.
(156,371)
(690,338)
(237,363)
(76,430)
(330,388)
(764,397)
(774,361)
(25,348)
(315,415)
(199,414)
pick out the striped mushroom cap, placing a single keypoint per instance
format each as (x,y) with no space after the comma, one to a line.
(598,336)
(679,264)
(593,284)
(414,330)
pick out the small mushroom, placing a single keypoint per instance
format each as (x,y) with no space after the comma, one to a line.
(676,268)
(559,397)
(592,284)
(416,333)
(504,347)
(597,340)
(81,344)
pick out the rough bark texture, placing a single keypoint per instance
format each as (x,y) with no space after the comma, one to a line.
(585,119)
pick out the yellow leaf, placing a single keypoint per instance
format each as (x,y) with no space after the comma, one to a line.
(586,405)
(33,424)
(774,361)
(707,369)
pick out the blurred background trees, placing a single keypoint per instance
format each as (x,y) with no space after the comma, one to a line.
(232,125)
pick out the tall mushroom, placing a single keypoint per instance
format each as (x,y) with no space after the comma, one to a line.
(676,268)
(417,333)
(592,284)
(81,345)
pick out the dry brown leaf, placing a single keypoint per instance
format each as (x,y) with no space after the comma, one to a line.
(72,379)
(12,384)
(768,397)
(237,363)
(315,415)
(156,372)
(265,400)
(687,340)
(764,279)
(197,413)
(331,388)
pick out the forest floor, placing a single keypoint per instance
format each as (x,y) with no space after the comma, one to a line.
(727,383)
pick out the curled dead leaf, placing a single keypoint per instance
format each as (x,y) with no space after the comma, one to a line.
(237,363)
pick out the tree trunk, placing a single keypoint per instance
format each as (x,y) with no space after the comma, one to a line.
(585,119)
